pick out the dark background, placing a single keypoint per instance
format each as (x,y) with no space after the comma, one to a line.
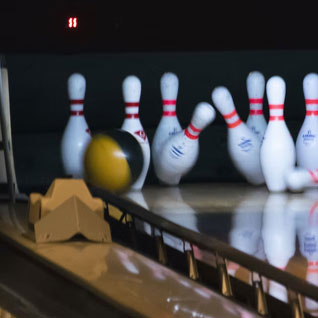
(40,26)
(204,46)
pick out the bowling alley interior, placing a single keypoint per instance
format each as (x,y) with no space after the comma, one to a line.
(158,161)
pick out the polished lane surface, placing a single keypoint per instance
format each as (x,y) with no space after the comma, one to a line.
(278,228)
(120,275)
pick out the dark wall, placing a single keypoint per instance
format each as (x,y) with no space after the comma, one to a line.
(105,26)
(39,102)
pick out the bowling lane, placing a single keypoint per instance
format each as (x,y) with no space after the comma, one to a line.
(278,228)
(115,274)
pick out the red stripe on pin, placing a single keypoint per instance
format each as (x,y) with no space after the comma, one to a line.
(312,113)
(168,113)
(313,176)
(311,101)
(313,208)
(76,101)
(279,106)
(136,104)
(271,118)
(132,116)
(312,263)
(235,124)
(230,115)
(312,270)
(189,135)
(77,113)
(256,112)
(195,129)
(256,100)
(169,102)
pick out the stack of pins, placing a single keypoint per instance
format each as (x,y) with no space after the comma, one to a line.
(255,83)
(169,124)
(76,136)
(131,93)
(180,152)
(243,146)
(278,154)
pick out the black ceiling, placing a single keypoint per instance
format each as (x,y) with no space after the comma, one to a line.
(41,26)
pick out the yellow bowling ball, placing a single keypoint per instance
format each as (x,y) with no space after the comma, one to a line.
(113,160)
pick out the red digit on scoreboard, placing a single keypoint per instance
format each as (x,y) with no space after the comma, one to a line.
(72,22)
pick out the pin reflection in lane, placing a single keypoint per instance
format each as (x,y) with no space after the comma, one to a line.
(279,236)
(245,234)
(305,209)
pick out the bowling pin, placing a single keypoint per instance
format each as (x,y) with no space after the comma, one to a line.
(307,140)
(76,136)
(299,179)
(180,152)
(255,83)
(243,145)
(131,93)
(169,124)
(278,154)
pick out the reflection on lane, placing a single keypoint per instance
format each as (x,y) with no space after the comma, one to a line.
(128,278)
(279,237)
(253,221)
(245,233)
(305,209)
(181,214)
(282,217)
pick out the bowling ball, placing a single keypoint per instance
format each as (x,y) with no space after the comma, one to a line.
(113,160)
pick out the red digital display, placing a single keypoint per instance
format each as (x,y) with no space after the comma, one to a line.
(72,22)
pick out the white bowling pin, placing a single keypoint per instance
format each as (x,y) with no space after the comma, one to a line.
(169,124)
(278,154)
(180,152)
(242,144)
(255,83)
(307,140)
(132,124)
(299,178)
(76,136)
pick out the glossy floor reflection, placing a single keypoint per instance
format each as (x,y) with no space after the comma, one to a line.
(279,228)
(120,275)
